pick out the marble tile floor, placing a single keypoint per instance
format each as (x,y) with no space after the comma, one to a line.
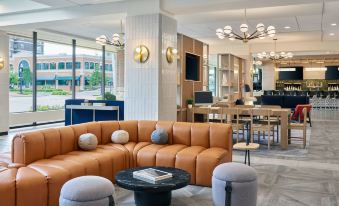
(296,177)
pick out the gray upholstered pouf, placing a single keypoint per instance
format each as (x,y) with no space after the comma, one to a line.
(243,184)
(87,191)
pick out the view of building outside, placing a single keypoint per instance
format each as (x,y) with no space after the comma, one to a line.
(53,77)
(54,74)
(20,74)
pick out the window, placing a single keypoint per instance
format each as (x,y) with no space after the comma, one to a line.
(54,86)
(52,66)
(77,65)
(45,66)
(90,83)
(61,65)
(38,66)
(20,74)
(69,65)
(114,76)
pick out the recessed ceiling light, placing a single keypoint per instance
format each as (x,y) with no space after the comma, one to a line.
(332,34)
(287,27)
(333,24)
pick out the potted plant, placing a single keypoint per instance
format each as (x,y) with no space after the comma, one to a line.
(190,103)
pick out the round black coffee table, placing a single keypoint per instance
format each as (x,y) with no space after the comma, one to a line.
(148,194)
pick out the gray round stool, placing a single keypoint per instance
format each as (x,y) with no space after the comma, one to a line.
(87,191)
(234,184)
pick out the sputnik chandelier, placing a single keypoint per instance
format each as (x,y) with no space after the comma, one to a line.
(261,32)
(117,39)
(274,55)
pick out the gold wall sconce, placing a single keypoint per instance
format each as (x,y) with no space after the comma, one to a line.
(2,63)
(141,54)
(170,53)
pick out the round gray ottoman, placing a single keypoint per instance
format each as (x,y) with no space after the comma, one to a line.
(87,191)
(234,184)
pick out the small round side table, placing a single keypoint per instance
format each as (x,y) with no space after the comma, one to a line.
(247,148)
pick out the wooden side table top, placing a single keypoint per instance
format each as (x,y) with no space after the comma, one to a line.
(243,146)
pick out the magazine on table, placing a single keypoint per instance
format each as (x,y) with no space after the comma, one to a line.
(151,175)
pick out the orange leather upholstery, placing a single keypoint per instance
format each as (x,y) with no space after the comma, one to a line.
(42,161)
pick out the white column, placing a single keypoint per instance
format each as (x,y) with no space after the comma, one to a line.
(268,76)
(4,83)
(118,74)
(150,87)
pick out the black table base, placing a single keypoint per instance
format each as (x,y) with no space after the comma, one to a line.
(152,198)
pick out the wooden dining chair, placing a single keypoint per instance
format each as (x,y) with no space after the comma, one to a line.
(200,110)
(274,120)
(231,115)
(266,128)
(217,114)
(301,125)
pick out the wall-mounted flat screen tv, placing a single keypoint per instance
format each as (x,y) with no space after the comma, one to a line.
(332,73)
(192,67)
(291,74)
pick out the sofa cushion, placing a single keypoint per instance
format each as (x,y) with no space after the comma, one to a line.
(159,136)
(104,160)
(32,188)
(131,127)
(165,157)
(67,140)
(207,160)
(120,137)
(7,186)
(186,159)
(147,155)
(91,165)
(107,129)
(182,133)
(145,129)
(28,147)
(200,135)
(52,142)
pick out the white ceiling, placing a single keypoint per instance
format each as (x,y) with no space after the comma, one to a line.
(308,20)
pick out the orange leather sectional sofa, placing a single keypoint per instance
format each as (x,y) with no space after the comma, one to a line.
(42,161)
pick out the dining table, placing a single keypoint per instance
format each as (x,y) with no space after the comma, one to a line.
(282,113)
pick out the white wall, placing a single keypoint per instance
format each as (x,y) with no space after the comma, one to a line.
(150,87)
(4,83)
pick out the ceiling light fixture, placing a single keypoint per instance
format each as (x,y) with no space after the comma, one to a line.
(257,62)
(292,69)
(333,24)
(117,39)
(261,32)
(332,34)
(287,27)
(315,69)
(274,55)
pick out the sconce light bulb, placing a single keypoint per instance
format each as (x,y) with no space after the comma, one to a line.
(174,51)
(138,49)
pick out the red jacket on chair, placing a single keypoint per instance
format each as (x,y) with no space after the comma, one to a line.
(297,114)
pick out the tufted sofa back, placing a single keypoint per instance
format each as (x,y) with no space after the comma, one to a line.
(43,144)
